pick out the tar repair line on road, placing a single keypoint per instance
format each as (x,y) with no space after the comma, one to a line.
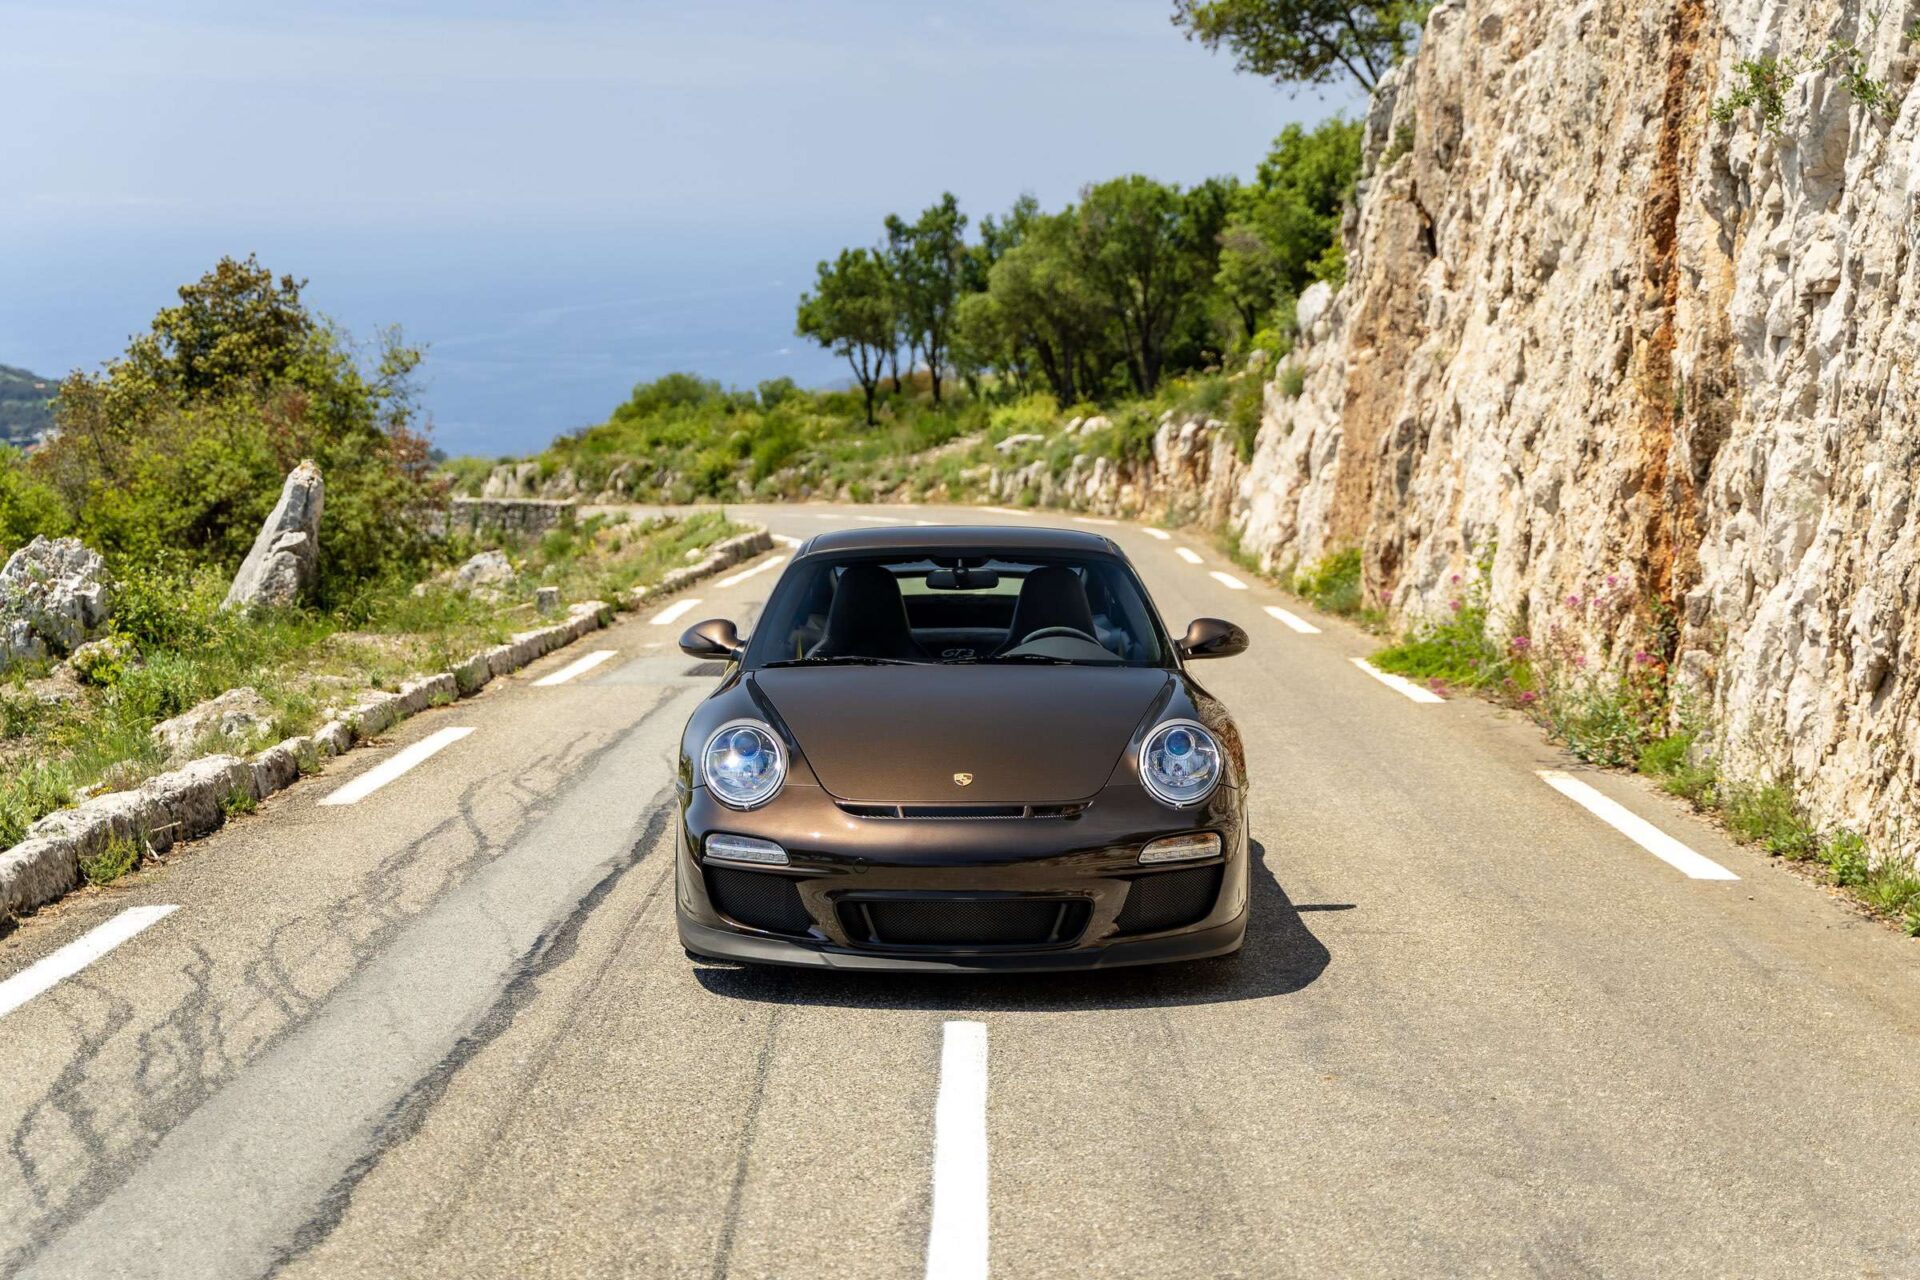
(1693,865)
(957,1238)
(1293,620)
(1397,684)
(381,774)
(578,667)
(76,955)
(674,612)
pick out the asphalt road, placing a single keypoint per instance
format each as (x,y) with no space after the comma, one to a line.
(447,1030)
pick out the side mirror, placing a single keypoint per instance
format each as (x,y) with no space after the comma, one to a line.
(714,638)
(1212,638)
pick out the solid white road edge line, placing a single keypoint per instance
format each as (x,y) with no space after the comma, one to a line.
(957,1242)
(1398,684)
(735,579)
(381,774)
(1693,865)
(1293,620)
(1228,581)
(1160,535)
(76,955)
(579,667)
(1188,554)
(674,612)
(1092,520)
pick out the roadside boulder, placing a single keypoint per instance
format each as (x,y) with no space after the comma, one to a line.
(52,595)
(221,723)
(285,557)
(487,570)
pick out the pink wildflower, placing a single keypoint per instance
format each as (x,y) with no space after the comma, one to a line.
(1454,605)
(1573,602)
(1528,696)
(1519,644)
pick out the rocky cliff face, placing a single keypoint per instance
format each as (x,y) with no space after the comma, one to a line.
(1590,325)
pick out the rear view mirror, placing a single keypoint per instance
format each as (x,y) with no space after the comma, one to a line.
(1212,638)
(714,638)
(962,579)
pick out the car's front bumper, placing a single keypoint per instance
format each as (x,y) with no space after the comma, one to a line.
(840,863)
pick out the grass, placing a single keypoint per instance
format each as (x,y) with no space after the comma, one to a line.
(59,740)
(119,857)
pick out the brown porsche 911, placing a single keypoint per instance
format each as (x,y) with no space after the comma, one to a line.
(968,748)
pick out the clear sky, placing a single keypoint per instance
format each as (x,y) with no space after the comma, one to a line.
(560,199)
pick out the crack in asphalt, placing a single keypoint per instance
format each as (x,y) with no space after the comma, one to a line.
(193,1034)
(553,948)
(730,1217)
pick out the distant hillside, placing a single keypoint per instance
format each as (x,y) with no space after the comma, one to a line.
(26,405)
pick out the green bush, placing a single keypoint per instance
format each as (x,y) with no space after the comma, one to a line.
(1332,583)
(1770,817)
(1845,855)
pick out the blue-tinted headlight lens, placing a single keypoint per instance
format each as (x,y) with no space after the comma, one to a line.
(744,765)
(1180,763)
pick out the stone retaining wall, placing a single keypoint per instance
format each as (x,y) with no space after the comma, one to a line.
(192,801)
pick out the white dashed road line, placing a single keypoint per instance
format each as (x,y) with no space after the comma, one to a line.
(579,667)
(76,955)
(1159,535)
(1693,865)
(1397,683)
(1092,520)
(1228,581)
(674,612)
(1008,511)
(1293,620)
(381,774)
(876,520)
(957,1243)
(734,579)
(785,540)
(1188,554)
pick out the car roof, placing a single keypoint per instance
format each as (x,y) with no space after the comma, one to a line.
(958,537)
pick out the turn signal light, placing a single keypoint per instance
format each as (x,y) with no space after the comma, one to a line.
(763,853)
(1201,844)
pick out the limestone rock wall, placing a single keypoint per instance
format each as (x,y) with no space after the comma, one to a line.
(1588,324)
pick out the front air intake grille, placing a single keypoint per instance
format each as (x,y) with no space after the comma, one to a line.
(1170,900)
(966,923)
(961,812)
(758,900)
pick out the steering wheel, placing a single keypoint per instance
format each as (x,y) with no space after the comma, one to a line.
(1047,633)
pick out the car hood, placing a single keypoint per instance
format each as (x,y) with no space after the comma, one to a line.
(898,735)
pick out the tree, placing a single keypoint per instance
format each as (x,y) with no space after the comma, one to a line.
(1149,252)
(851,312)
(1307,41)
(929,262)
(1044,310)
(1284,229)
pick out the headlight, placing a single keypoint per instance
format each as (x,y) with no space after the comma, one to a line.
(744,764)
(1180,763)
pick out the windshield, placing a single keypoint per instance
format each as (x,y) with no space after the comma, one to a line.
(980,608)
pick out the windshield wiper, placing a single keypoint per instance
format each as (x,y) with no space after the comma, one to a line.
(844,660)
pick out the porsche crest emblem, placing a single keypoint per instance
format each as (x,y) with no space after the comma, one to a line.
(962,779)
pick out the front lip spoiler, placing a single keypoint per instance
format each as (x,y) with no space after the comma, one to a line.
(722,944)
